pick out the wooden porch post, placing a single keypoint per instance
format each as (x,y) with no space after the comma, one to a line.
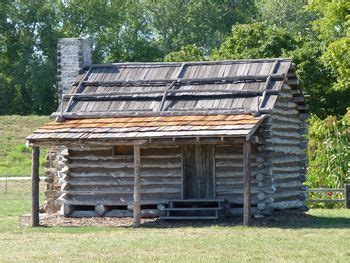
(35,186)
(137,186)
(246,183)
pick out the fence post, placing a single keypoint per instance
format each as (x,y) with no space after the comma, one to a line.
(347,195)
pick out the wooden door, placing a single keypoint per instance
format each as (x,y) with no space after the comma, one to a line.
(198,174)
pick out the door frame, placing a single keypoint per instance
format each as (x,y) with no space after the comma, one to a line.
(183,176)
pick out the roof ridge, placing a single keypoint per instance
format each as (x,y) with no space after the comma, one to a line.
(210,62)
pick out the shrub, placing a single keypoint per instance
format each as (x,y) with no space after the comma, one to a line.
(329,151)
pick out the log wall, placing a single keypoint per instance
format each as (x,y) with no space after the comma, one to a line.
(94,177)
(286,142)
(229,178)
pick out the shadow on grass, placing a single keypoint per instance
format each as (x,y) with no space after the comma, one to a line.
(280,219)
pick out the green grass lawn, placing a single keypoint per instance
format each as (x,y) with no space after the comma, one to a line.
(15,157)
(326,237)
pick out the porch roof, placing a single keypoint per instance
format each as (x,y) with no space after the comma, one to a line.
(239,125)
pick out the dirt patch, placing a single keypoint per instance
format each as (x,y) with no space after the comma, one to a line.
(278,219)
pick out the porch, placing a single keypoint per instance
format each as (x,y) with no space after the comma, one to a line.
(198,196)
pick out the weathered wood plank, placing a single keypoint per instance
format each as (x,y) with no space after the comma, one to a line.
(247,183)
(137,187)
(35,186)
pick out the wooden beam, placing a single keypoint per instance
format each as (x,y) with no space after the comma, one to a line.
(246,183)
(160,93)
(35,186)
(144,142)
(114,114)
(193,63)
(137,186)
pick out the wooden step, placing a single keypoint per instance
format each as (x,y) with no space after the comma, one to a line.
(197,200)
(193,209)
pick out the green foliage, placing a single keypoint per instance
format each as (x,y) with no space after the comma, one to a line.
(256,40)
(337,58)
(333,22)
(119,29)
(329,151)
(186,53)
(316,79)
(290,15)
(206,23)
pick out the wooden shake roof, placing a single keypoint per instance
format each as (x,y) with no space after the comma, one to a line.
(149,127)
(144,100)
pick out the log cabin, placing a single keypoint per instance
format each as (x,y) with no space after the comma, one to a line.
(186,140)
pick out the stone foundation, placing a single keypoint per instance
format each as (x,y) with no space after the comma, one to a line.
(52,186)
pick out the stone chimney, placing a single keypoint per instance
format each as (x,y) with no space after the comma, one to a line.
(73,57)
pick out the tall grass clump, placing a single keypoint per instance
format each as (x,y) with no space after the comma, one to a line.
(329,151)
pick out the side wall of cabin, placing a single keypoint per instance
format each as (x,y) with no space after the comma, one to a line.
(286,143)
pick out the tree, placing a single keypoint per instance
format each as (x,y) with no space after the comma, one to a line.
(119,29)
(186,53)
(256,40)
(290,15)
(28,34)
(205,23)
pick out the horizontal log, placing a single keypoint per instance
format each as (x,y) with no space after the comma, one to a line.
(285,159)
(162,173)
(296,92)
(303,108)
(145,213)
(304,116)
(83,214)
(236,174)
(275,118)
(231,163)
(288,204)
(156,147)
(289,184)
(95,191)
(285,149)
(302,197)
(289,175)
(119,213)
(298,99)
(288,105)
(234,156)
(164,163)
(292,169)
(107,201)
(254,190)
(293,82)
(90,148)
(284,111)
(283,125)
(292,142)
(287,193)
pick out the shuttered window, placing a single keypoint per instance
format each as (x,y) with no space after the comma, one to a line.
(123,150)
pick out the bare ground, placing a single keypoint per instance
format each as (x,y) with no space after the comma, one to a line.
(279,218)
